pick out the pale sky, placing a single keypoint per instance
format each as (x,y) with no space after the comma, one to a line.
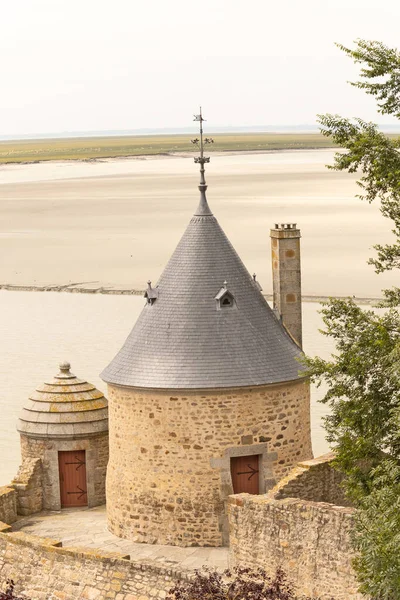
(82,65)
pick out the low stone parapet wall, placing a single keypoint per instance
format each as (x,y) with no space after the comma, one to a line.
(8,505)
(309,540)
(43,570)
(315,480)
(28,485)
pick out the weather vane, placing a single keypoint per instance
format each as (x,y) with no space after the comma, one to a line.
(200,143)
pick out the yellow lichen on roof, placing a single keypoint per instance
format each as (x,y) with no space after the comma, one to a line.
(75,401)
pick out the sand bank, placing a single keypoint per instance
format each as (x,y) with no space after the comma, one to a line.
(78,288)
(115,223)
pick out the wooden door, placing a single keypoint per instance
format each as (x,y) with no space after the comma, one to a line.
(72,469)
(245,474)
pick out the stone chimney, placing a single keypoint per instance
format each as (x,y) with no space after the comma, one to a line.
(286,275)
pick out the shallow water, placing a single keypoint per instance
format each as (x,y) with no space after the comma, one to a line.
(39,330)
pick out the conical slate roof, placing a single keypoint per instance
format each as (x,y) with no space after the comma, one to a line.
(64,407)
(186,338)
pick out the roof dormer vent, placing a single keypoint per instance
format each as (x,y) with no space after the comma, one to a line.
(225,298)
(151,294)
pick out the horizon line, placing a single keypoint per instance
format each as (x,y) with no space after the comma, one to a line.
(292,128)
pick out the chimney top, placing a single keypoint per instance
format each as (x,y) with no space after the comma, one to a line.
(286,226)
(285,230)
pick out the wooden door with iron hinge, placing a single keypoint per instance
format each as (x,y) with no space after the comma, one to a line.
(245,474)
(73,486)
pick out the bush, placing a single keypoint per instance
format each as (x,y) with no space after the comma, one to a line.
(235,584)
(9,593)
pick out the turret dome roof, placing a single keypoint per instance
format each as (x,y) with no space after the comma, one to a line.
(64,407)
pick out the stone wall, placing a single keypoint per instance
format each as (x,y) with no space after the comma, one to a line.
(43,570)
(96,448)
(309,540)
(315,480)
(169,477)
(28,484)
(8,505)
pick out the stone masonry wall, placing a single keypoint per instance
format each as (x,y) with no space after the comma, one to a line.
(309,540)
(8,505)
(43,570)
(96,448)
(315,480)
(28,484)
(98,455)
(169,472)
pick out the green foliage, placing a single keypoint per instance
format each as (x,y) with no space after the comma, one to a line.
(378,158)
(369,150)
(363,380)
(383,63)
(363,376)
(377,534)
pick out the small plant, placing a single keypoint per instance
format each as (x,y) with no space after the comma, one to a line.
(238,583)
(9,593)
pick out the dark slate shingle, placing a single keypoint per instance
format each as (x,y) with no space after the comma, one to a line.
(184,341)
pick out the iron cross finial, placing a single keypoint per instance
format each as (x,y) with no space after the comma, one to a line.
(203,209)
(200,143)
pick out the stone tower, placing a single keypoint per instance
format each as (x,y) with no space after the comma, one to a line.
(64,445)
(205,396)
(286,277)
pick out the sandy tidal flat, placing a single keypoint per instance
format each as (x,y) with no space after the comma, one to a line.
(115,223)
(89,148)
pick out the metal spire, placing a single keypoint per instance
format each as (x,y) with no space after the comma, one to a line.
(203,208)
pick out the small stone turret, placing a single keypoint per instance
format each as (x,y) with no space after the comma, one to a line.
(64,445)
(286,274)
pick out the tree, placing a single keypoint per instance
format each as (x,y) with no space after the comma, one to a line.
(234,584)
(363,376)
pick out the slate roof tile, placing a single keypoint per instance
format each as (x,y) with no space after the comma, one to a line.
(183,341)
